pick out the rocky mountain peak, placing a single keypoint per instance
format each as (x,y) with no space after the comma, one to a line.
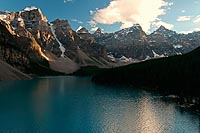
(85,36)
(27,18)
(80,27)
(63,32)
(64,24)
(136,28)
(163,32)
(31,23)
(34,14)
(162,29)
(83,30)
(98,31)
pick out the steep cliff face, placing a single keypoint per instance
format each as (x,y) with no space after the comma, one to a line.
(19,51)
(31,23)
(27,34)
(66,37)
(79,46)
(27,45)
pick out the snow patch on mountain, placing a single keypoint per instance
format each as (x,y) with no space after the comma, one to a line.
(19,19)
(177,46)
(80,27)
(30,8)
(125,59)
(157,55)
(147,58)
(178,53)
(130,29)
(61,45)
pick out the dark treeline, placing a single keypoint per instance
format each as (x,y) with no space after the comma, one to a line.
(177,74)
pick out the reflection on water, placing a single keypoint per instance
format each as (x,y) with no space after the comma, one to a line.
(72,104)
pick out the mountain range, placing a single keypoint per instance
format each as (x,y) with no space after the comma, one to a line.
(134,43)
(35,46)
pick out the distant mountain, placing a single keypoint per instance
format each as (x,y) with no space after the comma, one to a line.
(85,35)
(98,32)
(130,42)
(134,43)
(167,42)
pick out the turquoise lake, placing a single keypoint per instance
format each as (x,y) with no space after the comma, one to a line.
(76,105)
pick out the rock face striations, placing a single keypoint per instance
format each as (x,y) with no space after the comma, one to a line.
(18,51)
(31,23)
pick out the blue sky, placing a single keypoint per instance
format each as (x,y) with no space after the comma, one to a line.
(112,15)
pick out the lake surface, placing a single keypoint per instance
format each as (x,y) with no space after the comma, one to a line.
(75,105)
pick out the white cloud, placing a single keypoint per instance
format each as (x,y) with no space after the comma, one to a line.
(183,18)
(197,19)
(93,25)
(197,29)
(190,31)
(77,21)
(129,12)
(94,29)
(65,1)
(186,32)
(92,12)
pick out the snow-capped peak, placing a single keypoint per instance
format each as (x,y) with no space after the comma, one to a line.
(162,29)
(80,27)
(83,30)
(30,8)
